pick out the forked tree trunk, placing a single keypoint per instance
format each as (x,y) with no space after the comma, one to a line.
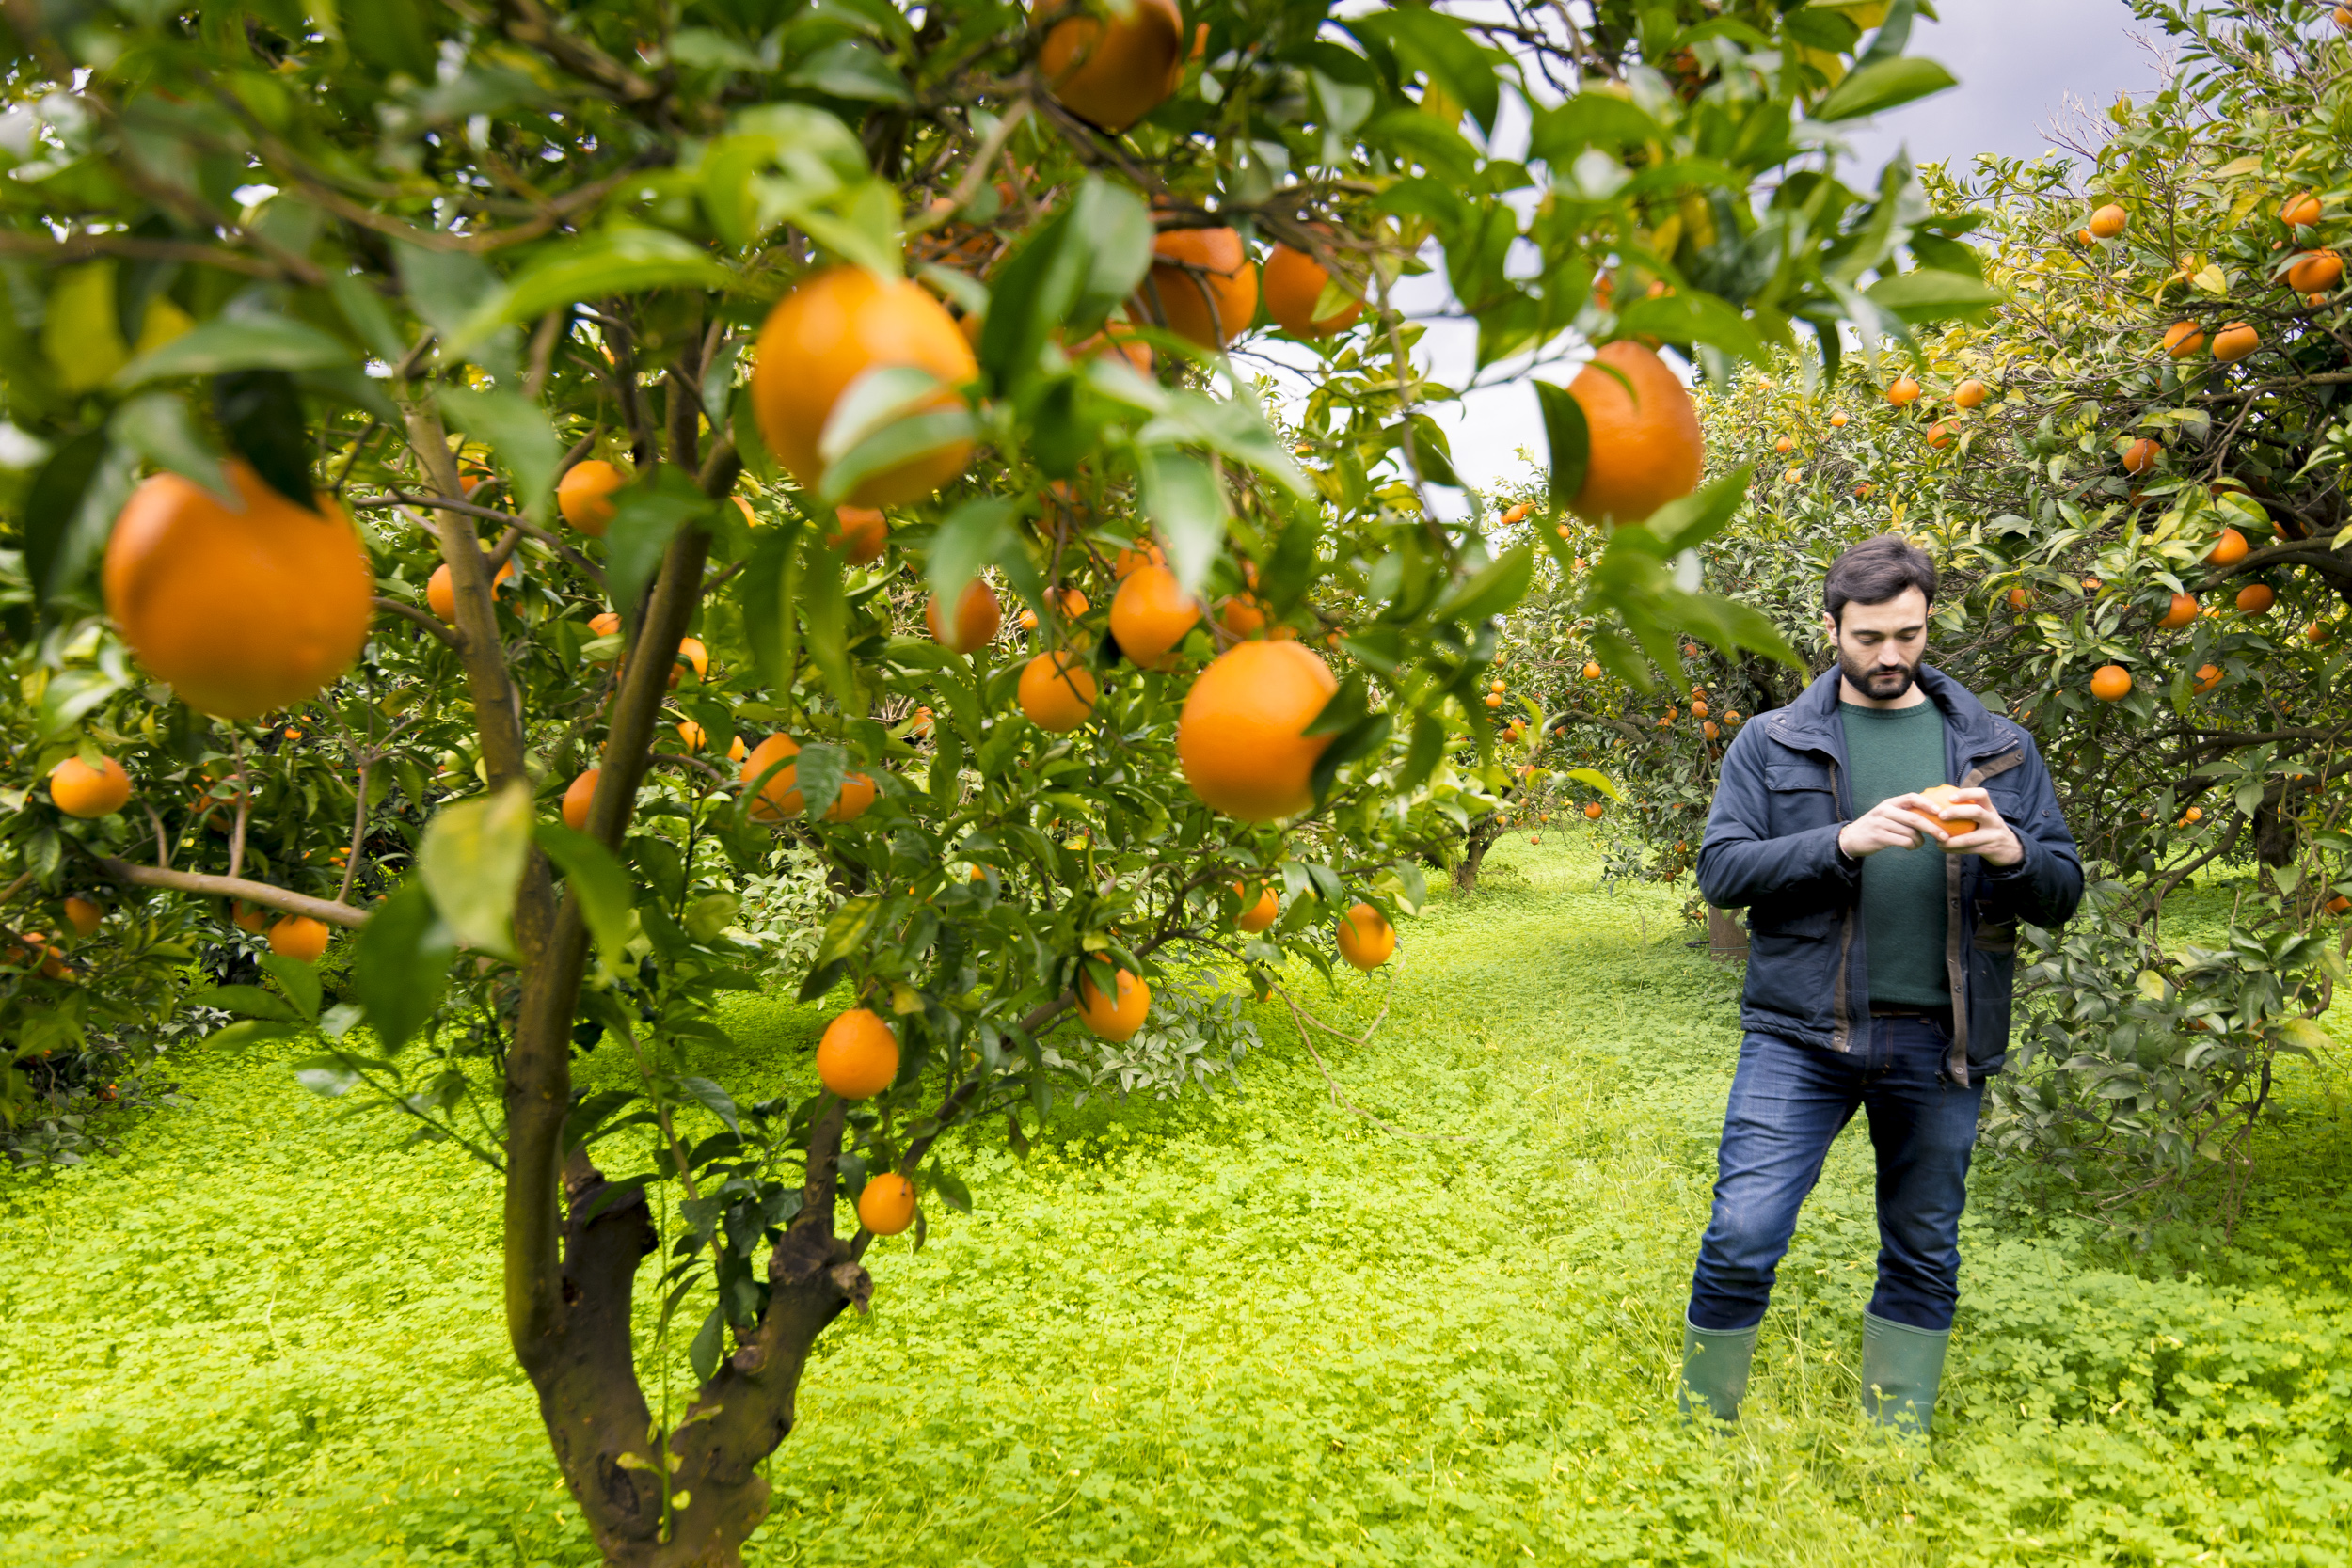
(1480,839)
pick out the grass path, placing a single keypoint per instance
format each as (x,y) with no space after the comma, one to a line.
(1248,1328)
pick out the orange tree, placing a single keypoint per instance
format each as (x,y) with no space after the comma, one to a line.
(528,500)
(2132,474)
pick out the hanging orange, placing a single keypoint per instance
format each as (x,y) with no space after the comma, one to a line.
(584,496)
(298,936)
(1242,736)
(1117,1017)
(1113,71)
(1366,937)
(78,789)
(1150,615)
(1260,913)
(1646,447)
(857,1057)
(779,797)
(865,533)
(1295,282)
(1203,286)
(978,617)
(2111,683)
(886,1206)
(1056,693)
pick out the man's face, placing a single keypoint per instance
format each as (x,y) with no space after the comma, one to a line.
(1879,646)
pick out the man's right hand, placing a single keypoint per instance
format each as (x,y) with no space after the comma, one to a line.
(1894,823)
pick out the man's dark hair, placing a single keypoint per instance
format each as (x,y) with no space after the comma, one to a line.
(1875,571)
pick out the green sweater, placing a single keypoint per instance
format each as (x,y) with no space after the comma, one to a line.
(1889,752)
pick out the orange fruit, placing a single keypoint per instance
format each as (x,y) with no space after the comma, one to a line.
(1838,420)
(1646,448)
(865,532)
(2315,634)
(1710,729)
(1242,735)
(1129,561)
(1293,282)
(1904,392)
(2299,210)
(835,327)
(1070,601)
(2108,221)
(857,1057)
(578,795)
(1150,615)
(1241,615)
(1258,913)
(886,1206)
(1783,446)
(1028,620)
(1592,810)
(606,624)
(1939,437)
(240,612)
(80,790)
(2183,338)
(83,914)
(440,592)
(2255,598)
(1515,516)
(298,936)
(1116,1016)
(2111,683)
(1698,708)
(2316,273)
(2194,814)
(2140,457)
(2180,612)
(978,618)
(1592,669)
(584,496)
(1494,699)
(1056,693)
(1114,70)
(2208,676)
(690,651)
(1119,339)
(778,798)
(248,917)
(2235,342)
(2228,550)
(692,734)
(1202,287)
(858,791)
(1366,937)
(1969,393)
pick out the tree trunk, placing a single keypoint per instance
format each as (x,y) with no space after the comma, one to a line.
(1481,838)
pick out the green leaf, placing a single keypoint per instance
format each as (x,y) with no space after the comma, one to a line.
(714,1099)
(1029,296)
(973,536)
(254,1031)
(261,412)
(1883,85)
(157,427)
(300,980)
(825,618)
(1594,778)
(1492,589)
(400,966)
(852,68)
(471,861)
(70,511)
(950,1188)
(847,929)
(598,883)
(646,514)
(710,1343)
(236,343)
(624,260)
(821,767)
(767,583)
(1691,520)
(246,1002)
(1183,499)
(1693,316)
(1570,440)
(520,439)
(1928,294)
(1444,52)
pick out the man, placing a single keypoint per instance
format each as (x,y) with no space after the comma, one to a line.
(1880,952)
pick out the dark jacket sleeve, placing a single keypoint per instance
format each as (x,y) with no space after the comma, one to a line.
(2043,888)
(1740,866)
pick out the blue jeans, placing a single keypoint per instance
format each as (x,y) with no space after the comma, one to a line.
(1789,1103)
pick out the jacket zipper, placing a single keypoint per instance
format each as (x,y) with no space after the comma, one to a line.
(1841,1009)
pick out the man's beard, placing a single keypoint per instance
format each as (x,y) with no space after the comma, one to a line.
(1877,682)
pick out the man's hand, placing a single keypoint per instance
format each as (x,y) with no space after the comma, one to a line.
(1990,837)
(1898,822)
(1894,823)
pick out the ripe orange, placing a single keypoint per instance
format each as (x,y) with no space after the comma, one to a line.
(1710,729)
(440,592)
(2228,550)
(1514,515)
(2208,676)
(578,795)
(857,1057)
(584,496)
(1241,615)
(1116,1016)
(1070,601)
(2108,221)
(1256,914)
(1028,620)
(978,618)
(2111,683)
(833,328)
(779,797)
(1969,393)
(1904,392)
(298,936)
(1592,669)
(1698,708)
(80,790)
(865,532)
(2316,273)
(1293,282)
(2300,210)
(2255,598)
(1203,286)
(2194,814)
(248,917)
(2183,338)
(2235,342)
(1494,699)
(1646,447)
(886,1206)
(1838,420)
(1366,937)
(606,624)
(2140,457)
(2315,634)
(858,791)
(239,611)
(1242,735)
(1939,436)
(1592,810)
(83,914)
(1113,71)
(1150,615)
(1056,693)
(1129,561)
(2182,610)
(1783,446)
(2019,599)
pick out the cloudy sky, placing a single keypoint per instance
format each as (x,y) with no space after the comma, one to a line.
(2019,64)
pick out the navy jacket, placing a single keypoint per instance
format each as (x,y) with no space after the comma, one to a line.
(1772,848)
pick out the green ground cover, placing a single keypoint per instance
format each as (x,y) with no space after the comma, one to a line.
(1248,1328)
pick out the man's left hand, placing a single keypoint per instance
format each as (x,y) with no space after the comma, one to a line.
(1990,837)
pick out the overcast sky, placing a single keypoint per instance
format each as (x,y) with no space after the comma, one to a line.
(2018,61)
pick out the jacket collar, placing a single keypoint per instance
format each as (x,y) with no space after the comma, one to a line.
(1811,722)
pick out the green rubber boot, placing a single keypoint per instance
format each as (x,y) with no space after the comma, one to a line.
(1714,1369)
(1901,1368)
